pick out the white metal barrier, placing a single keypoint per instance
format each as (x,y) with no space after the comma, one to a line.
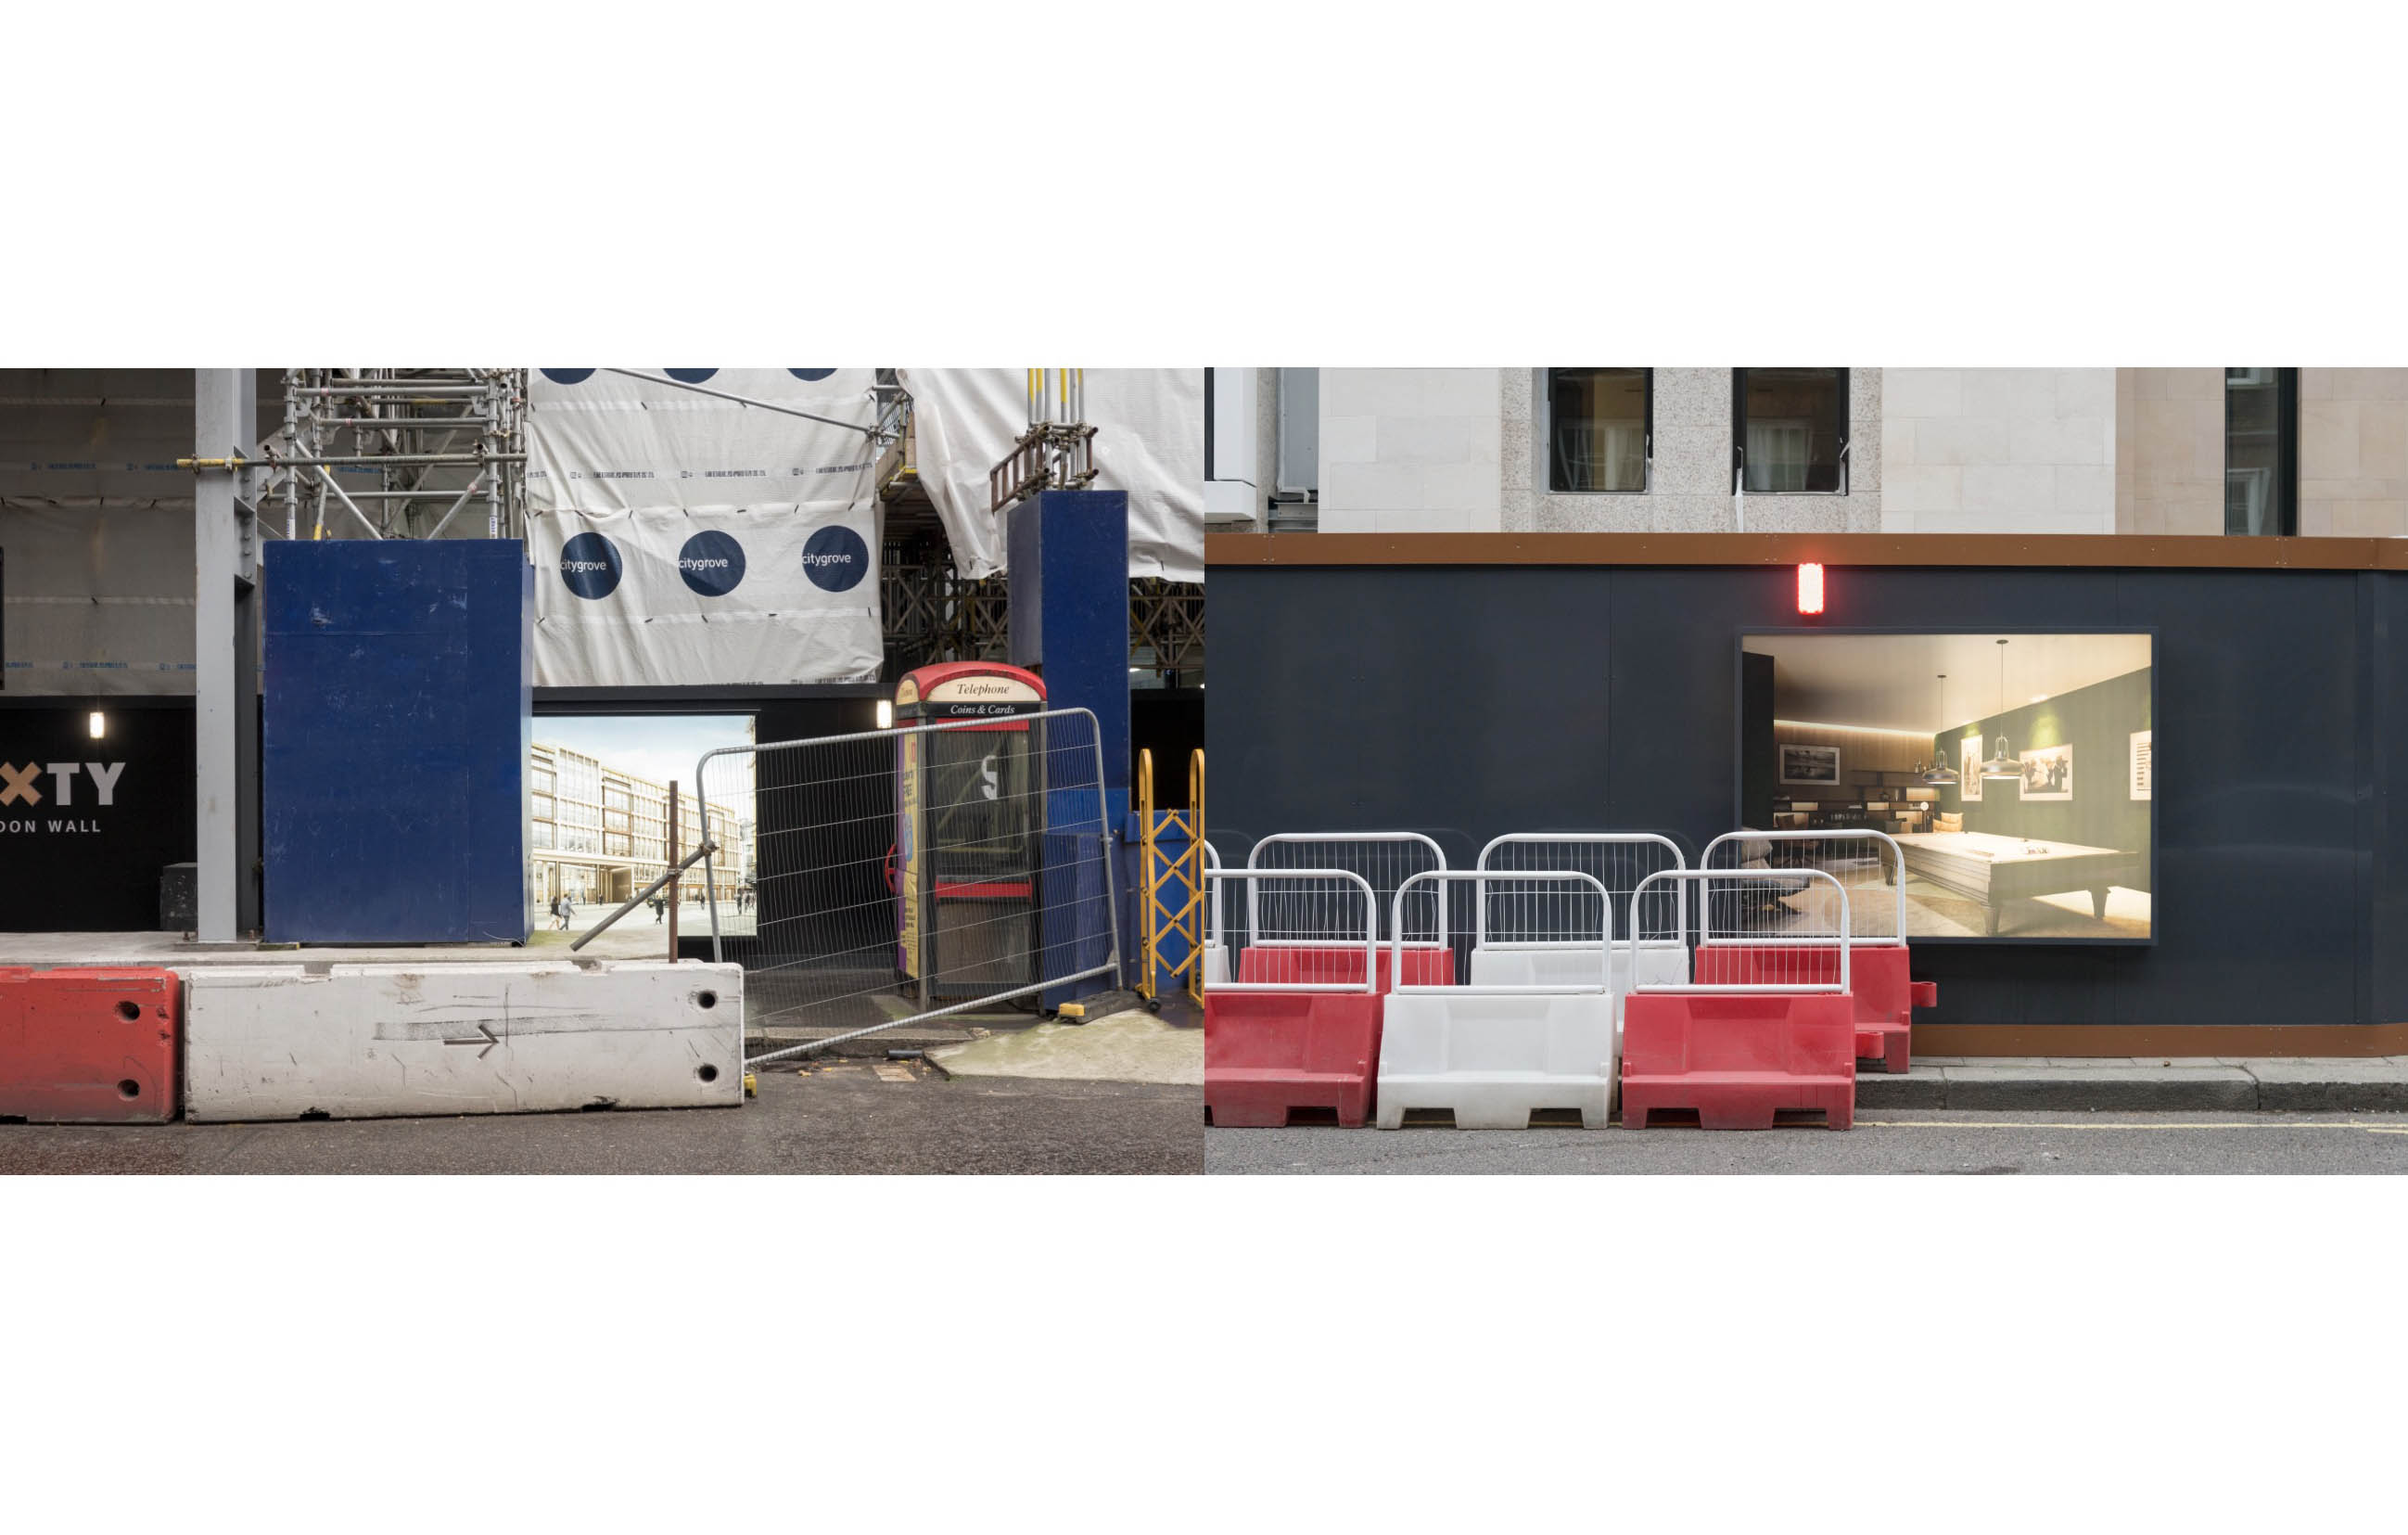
(1493,1053)
(1217,949)
(1383,860)
(1741,934)
(1323,923)
(1859,857)
(1509,911)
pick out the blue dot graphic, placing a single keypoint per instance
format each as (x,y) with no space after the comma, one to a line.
(711,564)
(690,375)
(590,566)
(835,559)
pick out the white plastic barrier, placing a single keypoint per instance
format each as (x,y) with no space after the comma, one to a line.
(1657,962)
(1495,1052)
(366,1041)
(1509,915)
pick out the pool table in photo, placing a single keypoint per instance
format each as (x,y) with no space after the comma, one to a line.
(1993,871)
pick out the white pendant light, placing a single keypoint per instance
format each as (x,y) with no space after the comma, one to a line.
(2001,765)
(1937,775)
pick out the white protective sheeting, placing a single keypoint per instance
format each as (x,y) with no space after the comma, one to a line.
(681,539)
(99,597)
(678,598)
(1149,441)
(97,524)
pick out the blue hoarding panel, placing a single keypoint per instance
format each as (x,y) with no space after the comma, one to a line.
(396,717)
(1069,553)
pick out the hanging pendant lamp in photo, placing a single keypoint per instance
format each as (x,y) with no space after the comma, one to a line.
(2002,762)
(1937,775)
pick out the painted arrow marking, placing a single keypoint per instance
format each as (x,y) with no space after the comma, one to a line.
(489,1040)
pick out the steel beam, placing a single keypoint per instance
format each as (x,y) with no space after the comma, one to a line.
(225,406)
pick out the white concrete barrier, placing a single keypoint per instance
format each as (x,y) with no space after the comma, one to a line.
(1494,1060)
(365,1041)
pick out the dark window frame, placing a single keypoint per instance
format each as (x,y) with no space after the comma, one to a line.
(2287,455)
(1738,436)
(1647,434)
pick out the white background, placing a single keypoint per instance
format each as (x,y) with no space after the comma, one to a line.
(2037,184)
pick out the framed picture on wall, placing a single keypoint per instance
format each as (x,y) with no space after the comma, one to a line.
(2048,773)
(1809,763)
(1969,772)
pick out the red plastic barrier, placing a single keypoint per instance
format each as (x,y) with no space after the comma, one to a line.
(1738,1060)
(1885,996)
(1268,1054)
(90,1046)
(1331,965)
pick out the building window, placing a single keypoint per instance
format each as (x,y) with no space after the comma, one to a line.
(1789,429)
(2262,450)
(1601,427)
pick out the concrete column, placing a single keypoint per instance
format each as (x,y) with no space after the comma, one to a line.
(224,420)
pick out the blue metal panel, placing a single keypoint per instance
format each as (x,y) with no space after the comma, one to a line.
(397,716)
(1070,623)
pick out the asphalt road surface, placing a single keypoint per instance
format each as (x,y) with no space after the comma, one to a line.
(1901,1141)
(846,1116)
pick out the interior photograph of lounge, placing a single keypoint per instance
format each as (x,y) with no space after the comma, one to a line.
(2012,769)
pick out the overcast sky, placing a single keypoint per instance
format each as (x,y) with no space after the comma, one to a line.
(660,747)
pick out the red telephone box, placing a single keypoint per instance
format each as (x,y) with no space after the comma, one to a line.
(970,825)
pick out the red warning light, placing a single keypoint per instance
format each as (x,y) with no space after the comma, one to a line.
(1810,590)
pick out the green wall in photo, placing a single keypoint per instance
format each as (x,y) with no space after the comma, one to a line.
(2098,722)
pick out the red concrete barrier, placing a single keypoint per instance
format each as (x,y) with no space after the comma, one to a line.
(1336,965)
(90,1046)
(1737,1061)
(1270,1054)
(1885,997)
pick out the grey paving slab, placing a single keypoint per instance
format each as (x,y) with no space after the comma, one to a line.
(2102,1086)
(2303,1087)
(1924,1087)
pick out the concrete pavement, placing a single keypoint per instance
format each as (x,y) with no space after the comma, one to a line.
(1130,1045)
(1944,1140)
(837,1117)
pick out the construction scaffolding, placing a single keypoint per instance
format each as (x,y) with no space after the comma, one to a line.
(391,453)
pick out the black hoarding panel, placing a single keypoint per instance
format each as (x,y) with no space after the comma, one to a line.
(1472,701)
(87,825)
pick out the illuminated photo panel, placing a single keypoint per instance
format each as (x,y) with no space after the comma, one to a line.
(2012,769)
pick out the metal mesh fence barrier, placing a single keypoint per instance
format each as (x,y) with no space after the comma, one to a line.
(908,874)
